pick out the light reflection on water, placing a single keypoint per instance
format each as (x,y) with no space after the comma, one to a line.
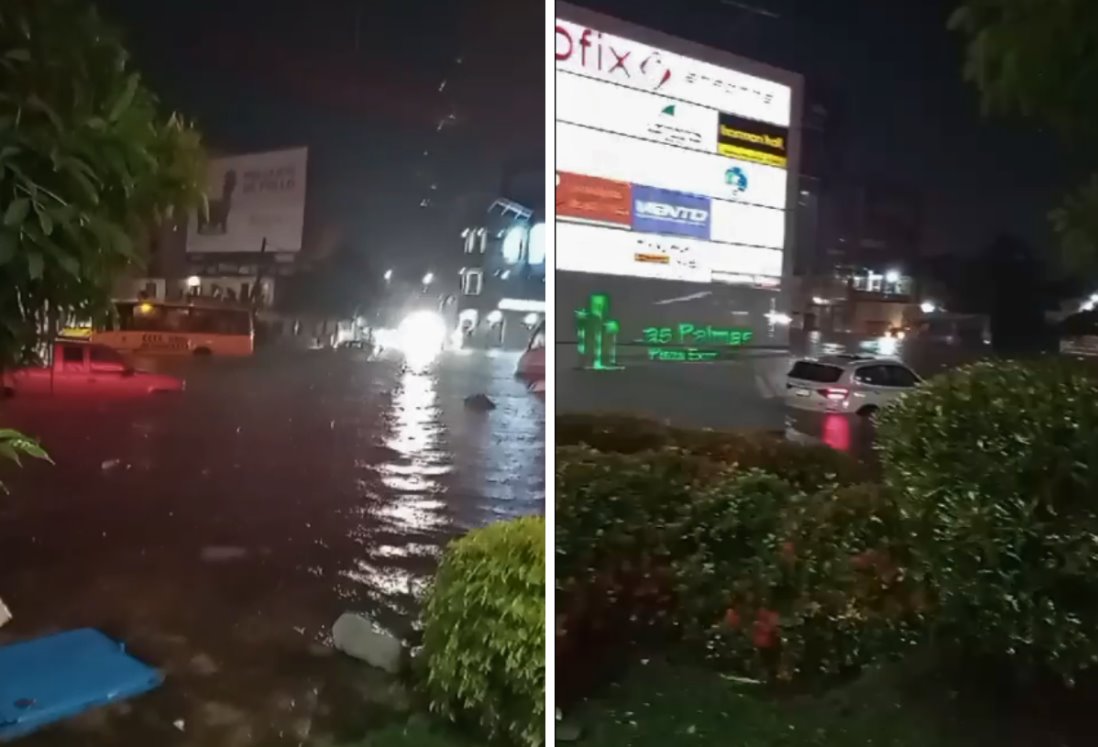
(410,503)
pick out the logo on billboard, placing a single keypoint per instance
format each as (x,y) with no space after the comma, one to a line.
(668,129)
(593,199)
(750,140)
(667,212)
(736,178)
(595,55)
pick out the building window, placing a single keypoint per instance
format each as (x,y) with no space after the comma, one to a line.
(472,281)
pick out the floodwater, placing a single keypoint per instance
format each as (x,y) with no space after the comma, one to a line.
(221,532)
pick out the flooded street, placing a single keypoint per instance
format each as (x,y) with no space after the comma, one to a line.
(221,532)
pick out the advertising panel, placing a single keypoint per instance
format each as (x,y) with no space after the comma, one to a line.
(591,198)
(752,141)
(639,114)
(613,60)
(254,200)
(747,224)
(591,249)
(673,213)
(609,156)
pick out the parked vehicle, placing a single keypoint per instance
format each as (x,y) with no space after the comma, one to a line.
(163,328)
(80,368)
(857,384)
(531,365)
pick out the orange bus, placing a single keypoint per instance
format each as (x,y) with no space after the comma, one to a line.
(179,328)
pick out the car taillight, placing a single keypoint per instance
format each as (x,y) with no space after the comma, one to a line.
(835,394)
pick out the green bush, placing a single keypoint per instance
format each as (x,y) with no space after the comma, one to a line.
(787,585)
(614,516)
(757,573)
(806,465)
(996,468)
(484,632)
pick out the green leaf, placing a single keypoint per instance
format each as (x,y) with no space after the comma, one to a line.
(44,220)
(19,55)
(16,212)
(126,98)
(8,243)
(35,265)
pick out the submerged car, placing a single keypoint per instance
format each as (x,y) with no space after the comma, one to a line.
(856,384)
(86,369)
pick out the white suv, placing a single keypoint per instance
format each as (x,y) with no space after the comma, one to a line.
(847,383)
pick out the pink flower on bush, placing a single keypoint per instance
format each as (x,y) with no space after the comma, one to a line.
(765,632)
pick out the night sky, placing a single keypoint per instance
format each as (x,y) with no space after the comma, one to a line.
(358,82)
(259,74)
(905,113)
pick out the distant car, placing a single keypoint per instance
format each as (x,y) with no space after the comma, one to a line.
(354,345)
(847,383)
(531,365)
(82,369)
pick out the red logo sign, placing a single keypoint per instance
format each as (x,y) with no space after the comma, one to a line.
(593,199)
(598,56)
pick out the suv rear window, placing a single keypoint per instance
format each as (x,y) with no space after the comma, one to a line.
(818,372)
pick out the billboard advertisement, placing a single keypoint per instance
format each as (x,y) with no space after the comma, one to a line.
(590,198)
(255,200)
(609,156)
(591,249)
(616,61)
(682,158)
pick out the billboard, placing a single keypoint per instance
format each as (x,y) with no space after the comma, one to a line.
(697,153)
(607,155)
(616,61)
(254,200)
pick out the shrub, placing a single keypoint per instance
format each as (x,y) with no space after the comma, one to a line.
(806,465)
(788,585)
(614,515)
(755,572)
(484,631)
(996,466)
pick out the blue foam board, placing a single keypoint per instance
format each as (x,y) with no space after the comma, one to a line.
(53,678)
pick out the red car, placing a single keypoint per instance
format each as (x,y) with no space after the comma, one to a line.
(531,365)
(83,368)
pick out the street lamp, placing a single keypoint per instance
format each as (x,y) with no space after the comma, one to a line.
(388,275)
(928,307)
(892,276)
(429,278)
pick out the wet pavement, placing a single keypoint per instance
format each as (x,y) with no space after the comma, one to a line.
(220,533)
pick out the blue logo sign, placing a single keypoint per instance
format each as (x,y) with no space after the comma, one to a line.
(673,213)
(736,178)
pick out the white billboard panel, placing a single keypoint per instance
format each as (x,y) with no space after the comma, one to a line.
(594,249)
(614,60)
(608,156)
(639,114)
(747,224)
(253,199)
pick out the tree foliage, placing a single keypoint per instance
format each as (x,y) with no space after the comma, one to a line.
(87,165)
(1039,59)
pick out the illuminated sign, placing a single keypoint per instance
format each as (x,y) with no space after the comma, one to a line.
(695,150)
(590,52)
(609,156)
(639,114)
(663,211)
(594,199)
(592,249)
(597,334)
(597,338)
(696,334)
(752,141)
